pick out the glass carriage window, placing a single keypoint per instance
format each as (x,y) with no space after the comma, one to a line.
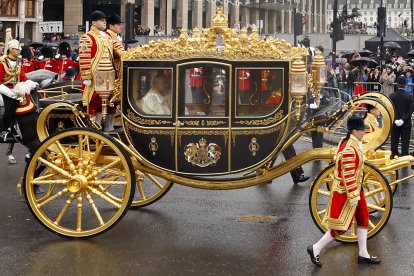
(259,91)
(205,89)
(151,91)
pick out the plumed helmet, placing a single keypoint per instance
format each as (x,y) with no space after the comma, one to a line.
(97,15)
(64,48)
(401,81)
(355,123)
(13,44)
(47,52)
(26,52)
(113,19)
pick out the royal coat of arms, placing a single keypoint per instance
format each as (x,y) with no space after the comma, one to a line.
(202,155)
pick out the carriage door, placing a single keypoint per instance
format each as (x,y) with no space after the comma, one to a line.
(202,125)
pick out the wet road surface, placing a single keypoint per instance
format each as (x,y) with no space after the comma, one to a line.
(201,232)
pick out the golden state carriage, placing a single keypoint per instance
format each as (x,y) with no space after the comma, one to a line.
(212,137)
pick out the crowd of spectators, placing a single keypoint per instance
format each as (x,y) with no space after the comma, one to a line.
(355,77)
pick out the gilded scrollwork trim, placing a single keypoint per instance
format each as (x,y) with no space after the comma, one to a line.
(136,119)
(169,132)
(263,122)
(224,133)
(192,123)
(216,123)
(72,117)
(279,128)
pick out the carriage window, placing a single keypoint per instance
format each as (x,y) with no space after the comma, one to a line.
(206,90)
(152,91)
(259,91)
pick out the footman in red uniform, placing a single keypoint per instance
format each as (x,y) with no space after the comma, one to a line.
(347,198)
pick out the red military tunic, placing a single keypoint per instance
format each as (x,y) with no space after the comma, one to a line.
(243,80)
(27,66)
(50,65)
(196,77)
(92,46)
(9,76)
(346,189)
(264,86)
(64,64)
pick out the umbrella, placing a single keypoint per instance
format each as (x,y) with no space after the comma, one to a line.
(411,53)
(362,53)
(392,45)
(36,45)
(365,53)
(364,61)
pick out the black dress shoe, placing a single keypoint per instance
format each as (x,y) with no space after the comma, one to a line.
(370,260)
(314,259)
(301,178)
(37,189)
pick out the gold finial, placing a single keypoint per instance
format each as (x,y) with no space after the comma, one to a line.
(220,20)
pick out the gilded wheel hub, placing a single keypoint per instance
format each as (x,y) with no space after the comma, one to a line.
(77,184)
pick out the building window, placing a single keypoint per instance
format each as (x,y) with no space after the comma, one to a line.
(29,12)
(8,8)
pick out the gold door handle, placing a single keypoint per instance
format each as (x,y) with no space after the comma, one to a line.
(178,123)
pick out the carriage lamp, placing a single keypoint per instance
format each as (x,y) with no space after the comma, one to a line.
(104,87)
(298,83)
(319,75)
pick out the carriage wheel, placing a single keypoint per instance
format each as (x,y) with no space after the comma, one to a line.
(74,206)
(377,193)
(149,189)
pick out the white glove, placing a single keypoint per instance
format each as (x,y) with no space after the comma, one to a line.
(313,106)
(33,85)
(354,204)
(7,91)
(399,122)
(87,82)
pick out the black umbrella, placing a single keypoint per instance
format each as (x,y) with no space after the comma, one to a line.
(365,53)
(364,61)
(36,45)
(392,45)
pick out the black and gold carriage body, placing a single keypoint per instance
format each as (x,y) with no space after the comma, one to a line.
(210,129)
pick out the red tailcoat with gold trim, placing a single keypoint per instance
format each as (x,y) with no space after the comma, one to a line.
(346,189)
(91,48)
(10,76)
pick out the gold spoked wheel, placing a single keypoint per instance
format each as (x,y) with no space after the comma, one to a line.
(76,179)
(150,189)
(377,193)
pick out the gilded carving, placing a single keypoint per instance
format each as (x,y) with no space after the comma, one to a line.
(263,122)
(129,127)
(142,121)
(203,43)
(277,129)
(254,146)
(153,145)
(224,133)
(215,123)
(72,117)
(202,154)
(192,123)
